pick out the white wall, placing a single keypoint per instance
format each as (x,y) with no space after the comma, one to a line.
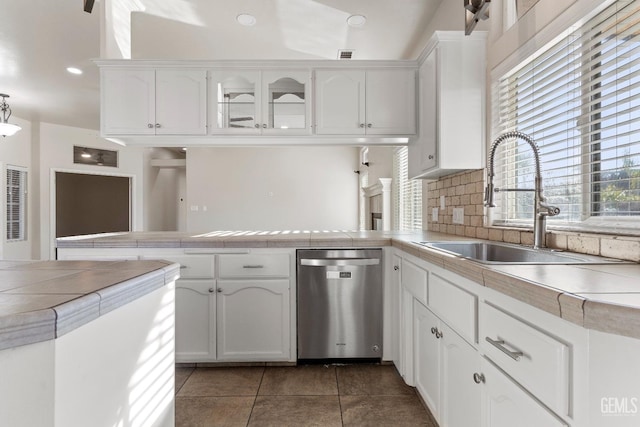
(272,188)
(56,153)
(16,151)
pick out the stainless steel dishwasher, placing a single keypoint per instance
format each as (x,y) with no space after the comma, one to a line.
(339,304)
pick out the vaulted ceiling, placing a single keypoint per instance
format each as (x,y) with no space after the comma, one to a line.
(39,39)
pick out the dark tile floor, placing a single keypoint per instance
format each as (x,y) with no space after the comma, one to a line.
(315,395)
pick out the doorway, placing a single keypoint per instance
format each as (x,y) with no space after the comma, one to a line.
(90,204)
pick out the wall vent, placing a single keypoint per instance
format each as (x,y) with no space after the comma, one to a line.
(345,53)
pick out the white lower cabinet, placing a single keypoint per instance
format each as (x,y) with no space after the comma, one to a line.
(506,404)
(460,394)
(233,306)
(444,370)
(253,320)
(195,320)
(427,356)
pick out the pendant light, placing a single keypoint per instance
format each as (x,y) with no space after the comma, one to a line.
(6,129)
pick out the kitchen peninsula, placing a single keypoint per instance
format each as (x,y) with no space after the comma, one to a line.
(557,342)
(87,343)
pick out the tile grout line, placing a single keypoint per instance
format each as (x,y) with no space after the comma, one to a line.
(184,382)
(255,398)
(335,371)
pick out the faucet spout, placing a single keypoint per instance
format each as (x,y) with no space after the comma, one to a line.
(541,209)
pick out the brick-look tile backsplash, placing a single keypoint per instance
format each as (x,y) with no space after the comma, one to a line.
(466,190)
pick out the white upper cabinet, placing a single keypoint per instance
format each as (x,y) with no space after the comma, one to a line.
(391,102)
(260,102)
(340,102)
(181,102)
(372,102)
(235,102)
(153,102)
(451,91)
(128,101)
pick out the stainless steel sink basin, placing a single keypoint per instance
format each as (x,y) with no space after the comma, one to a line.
(500,253)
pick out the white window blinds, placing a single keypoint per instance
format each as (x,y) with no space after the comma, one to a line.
(16,203)
(407,194)
(580,101)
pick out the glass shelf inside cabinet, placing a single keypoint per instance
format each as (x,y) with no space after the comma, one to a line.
(287,104)
(236,105)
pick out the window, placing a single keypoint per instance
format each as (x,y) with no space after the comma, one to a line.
(580,101)
(16,203)
(407,194)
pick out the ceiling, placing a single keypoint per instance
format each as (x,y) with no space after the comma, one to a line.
(39,39)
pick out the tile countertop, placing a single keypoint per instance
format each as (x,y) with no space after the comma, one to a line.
(43,300)
(604,297)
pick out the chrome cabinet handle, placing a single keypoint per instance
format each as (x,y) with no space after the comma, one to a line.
(478,378)
(433,330)
(361,125)
(211,290)
(219,290)
(150,125)
(256,126)
(438,334)
(431,156)
(499,344)
(369,125)
(396,268)
(253,266)
(264,126)
(157,125)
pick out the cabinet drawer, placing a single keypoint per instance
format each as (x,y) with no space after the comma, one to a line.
(457,307)
(535,359)
(191,266)
(504,403)
(414,280)
(254,265)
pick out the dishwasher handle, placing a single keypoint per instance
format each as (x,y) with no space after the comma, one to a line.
(339,261)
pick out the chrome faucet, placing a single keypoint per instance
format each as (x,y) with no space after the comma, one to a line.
(541,209)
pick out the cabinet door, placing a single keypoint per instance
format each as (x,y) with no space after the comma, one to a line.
(286,102)
(195,320)
(396,310)
(340,102)
(253,320)
(128,101)
(460,394)
(235,101)
(429,112)
(181,102)
(426,328)
(505,404)
(391,102)
(406,337)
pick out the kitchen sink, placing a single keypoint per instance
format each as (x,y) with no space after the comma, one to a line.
(500,253)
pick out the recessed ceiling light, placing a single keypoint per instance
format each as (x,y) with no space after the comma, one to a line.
(74,70)
(86,155)
(246,19)
(356,20)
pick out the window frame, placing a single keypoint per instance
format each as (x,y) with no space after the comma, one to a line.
(21,204)
(407,194)
(592,219)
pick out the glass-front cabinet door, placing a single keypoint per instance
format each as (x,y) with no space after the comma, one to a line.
(273,102)
(287,105)
(235,102)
